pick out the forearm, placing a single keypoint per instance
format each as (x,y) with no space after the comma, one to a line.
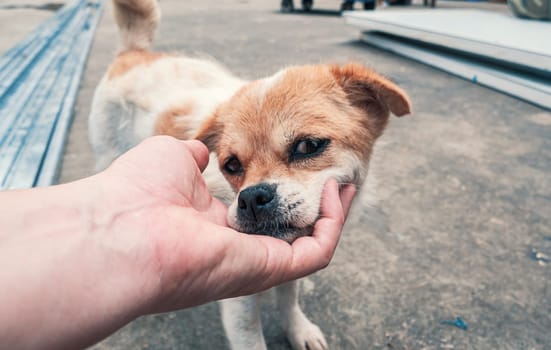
(59,285)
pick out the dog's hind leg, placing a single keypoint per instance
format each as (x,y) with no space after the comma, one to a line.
(302,334)
(241,319)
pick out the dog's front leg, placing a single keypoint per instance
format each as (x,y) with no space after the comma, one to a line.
(302,334)
(241,319)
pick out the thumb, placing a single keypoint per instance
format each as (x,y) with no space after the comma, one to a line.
(199,152)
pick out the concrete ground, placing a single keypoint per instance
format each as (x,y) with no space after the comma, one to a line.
(18,18)
(462,227)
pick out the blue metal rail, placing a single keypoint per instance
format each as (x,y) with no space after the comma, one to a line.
(39,81)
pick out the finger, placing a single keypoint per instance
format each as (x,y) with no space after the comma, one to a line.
(331,206)
(347,194)
(313,253)
(201,198)
(200,153)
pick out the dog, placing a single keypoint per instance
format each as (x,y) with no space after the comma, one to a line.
(274,142)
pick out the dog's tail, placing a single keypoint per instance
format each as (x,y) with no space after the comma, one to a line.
(137,21)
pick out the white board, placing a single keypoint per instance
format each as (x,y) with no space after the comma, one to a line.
(499,36)
(517,85)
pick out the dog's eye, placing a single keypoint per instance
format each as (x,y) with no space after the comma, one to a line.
(233,166)
(308,148)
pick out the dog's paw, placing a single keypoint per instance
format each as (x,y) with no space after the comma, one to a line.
(304,335)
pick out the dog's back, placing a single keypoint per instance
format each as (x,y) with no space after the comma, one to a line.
(145,93)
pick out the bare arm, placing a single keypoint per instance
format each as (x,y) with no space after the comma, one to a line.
(83,259)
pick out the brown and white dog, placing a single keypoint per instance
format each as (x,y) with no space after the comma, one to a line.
(274,141)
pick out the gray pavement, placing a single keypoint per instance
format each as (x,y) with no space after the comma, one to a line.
(19,18)
(464,189)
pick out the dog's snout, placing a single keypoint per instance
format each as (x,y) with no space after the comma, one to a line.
(255,203)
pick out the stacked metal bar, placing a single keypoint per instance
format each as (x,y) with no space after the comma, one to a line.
(39,81)
(502,52)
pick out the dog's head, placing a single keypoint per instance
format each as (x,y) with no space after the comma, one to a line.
(279,139)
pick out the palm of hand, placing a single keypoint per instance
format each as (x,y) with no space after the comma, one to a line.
(167,202)
(185,247)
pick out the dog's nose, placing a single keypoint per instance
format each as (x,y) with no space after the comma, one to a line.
(255,203)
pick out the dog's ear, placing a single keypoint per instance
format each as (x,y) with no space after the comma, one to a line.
(210,132)
(371,92)
(363,85)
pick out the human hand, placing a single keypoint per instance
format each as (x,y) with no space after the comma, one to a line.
(143,236)
(185,250)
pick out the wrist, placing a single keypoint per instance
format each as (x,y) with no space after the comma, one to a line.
(69,278)
(120,228)
(113,226)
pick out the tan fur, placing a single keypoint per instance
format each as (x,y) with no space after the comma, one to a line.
(128,60)
(373,93)
(209,132)
(173,122)
(347,104)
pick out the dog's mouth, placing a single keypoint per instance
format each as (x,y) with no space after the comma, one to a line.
(280,229)
(260,209)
